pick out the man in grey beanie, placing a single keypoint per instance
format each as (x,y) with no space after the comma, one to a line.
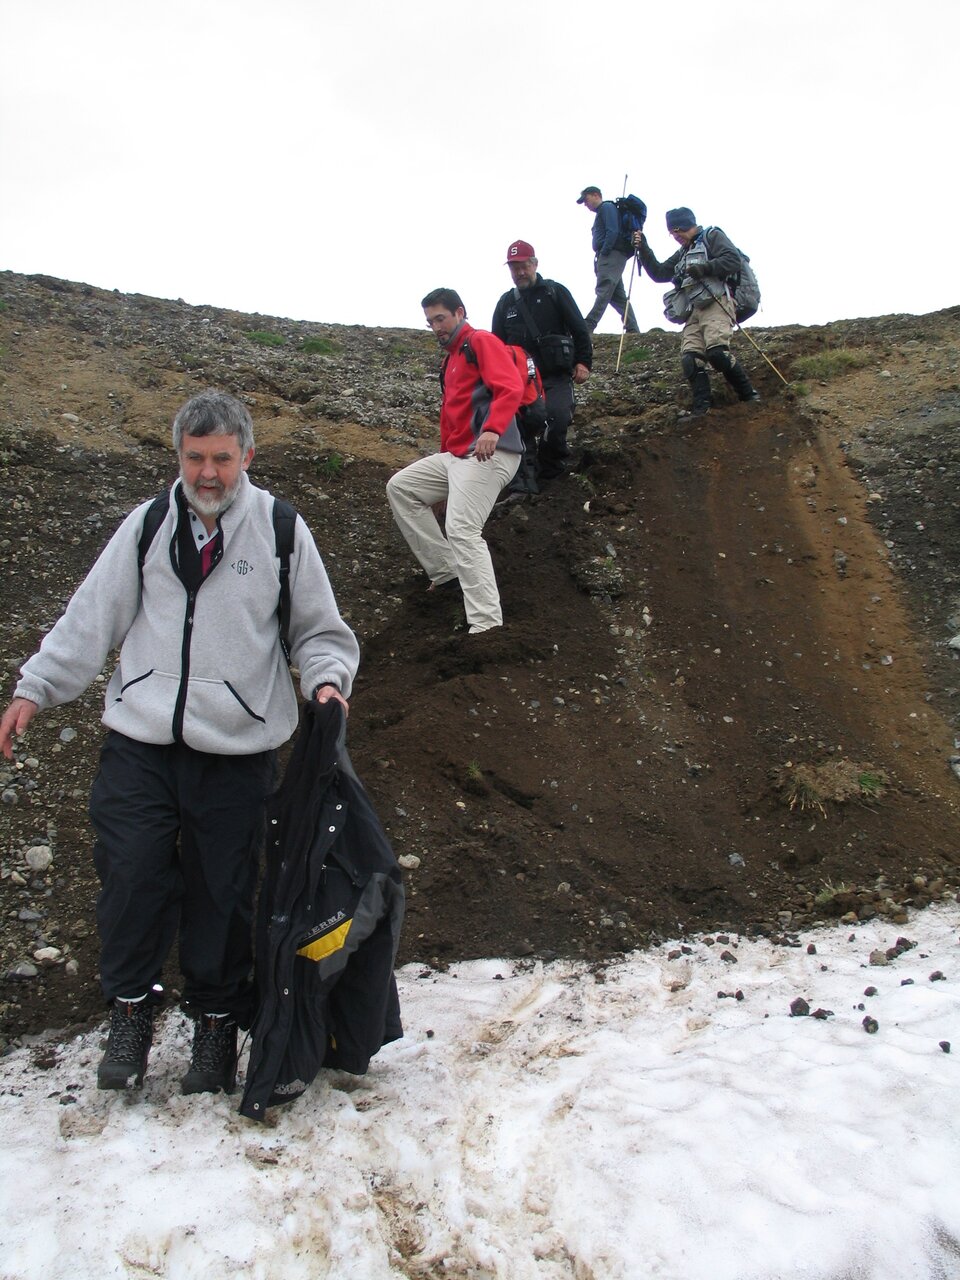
(701,271)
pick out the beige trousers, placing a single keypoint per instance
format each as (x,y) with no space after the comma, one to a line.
(470,488)
(711,326)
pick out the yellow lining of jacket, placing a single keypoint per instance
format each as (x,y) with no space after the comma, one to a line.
(320,948)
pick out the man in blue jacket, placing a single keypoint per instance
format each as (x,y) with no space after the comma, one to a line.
(197,705)
(611,255)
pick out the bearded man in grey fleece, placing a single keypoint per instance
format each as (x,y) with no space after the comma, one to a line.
(195,709)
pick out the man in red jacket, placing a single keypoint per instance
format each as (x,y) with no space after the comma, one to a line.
(480,450)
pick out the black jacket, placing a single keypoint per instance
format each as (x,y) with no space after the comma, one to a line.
(328,925)
(723,259)
(553,310)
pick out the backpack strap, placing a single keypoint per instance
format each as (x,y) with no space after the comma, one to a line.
(284,528)
(528,319)
(154,517)
(733,280)
(466,351)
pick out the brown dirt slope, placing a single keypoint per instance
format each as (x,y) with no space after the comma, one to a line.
(724,694)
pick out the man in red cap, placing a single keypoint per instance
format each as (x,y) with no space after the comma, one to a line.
(610,255)
(542,317)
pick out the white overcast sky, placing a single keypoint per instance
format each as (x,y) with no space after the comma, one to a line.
(334,161)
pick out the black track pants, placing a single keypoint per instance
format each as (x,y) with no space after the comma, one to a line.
(179,834)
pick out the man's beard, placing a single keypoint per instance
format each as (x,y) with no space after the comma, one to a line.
(445,342)
(210,506)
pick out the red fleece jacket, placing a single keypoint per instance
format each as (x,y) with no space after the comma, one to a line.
(480,396)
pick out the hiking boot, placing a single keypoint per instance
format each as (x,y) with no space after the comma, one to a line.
(702,398)
(551,470)
(213,1063)
(128,1045)
(724,363)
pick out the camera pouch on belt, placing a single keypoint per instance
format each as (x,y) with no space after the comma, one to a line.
(677,306)
(555,353)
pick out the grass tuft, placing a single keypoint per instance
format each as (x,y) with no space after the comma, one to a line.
(318,346)
(831,364)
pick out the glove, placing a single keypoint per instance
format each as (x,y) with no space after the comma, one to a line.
(697,270)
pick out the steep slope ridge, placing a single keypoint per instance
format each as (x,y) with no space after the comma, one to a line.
(719,701)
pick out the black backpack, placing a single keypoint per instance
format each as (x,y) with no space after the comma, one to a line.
(284,526)
(631,214)
(744,286)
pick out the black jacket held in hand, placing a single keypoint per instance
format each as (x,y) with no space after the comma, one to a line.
(328,926)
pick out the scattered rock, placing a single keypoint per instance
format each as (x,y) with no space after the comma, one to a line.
(39,857)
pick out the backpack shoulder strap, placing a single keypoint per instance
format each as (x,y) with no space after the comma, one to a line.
(466,351)
(528,319)
(154,517)
(735,278)
(284,528)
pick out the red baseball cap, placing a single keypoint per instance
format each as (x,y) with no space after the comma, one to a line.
(520,251)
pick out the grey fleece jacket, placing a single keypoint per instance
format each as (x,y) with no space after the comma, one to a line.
(206,670)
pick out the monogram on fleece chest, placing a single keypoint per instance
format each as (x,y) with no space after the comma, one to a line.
(533,305)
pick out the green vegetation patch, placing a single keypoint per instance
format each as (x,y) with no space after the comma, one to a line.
(831,364)
(830,892)
(318,346)
(264,338)
(330,467)
(810,788)
(636,355)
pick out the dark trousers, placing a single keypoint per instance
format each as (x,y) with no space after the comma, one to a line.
(610,291)
(179,834)
(558,394)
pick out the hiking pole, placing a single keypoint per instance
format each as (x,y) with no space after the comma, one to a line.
(740,329)
(766,357)
(626,309)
